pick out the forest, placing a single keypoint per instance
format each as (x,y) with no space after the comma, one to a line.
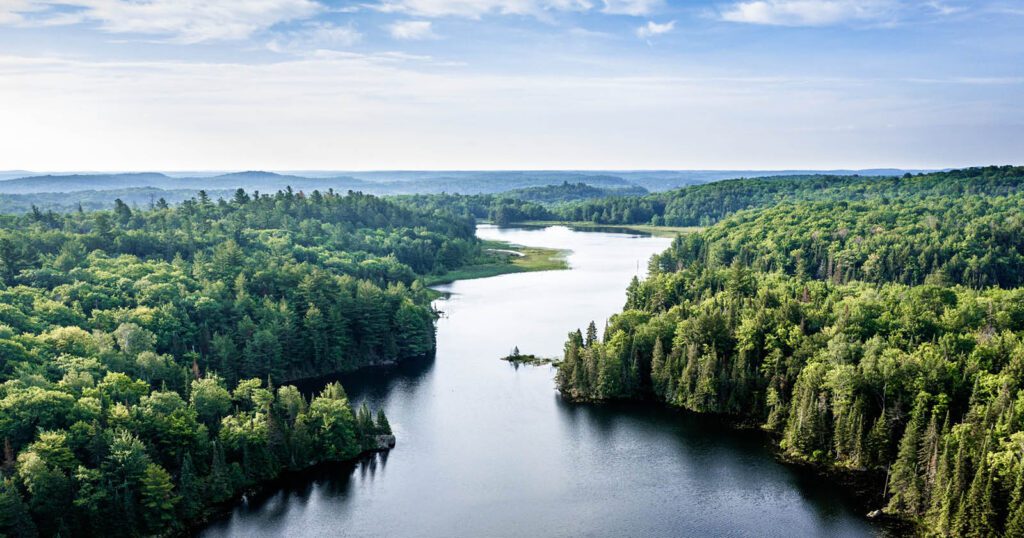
(145,354)
(703,205)
(867,324)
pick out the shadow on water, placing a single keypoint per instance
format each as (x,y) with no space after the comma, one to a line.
(483,450)
(333,482)
(717,449)
(374,383)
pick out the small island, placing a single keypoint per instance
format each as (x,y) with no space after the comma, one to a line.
(518,358)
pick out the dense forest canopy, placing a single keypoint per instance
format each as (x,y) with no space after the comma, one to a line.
(703,205)
(869,324)
(567,192)
(140,351)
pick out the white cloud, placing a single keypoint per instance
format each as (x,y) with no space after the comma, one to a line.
(412,30)
(477,8)
(810,12)
(340,110)
(187,21)
(652,29)
(15,11)
(332,34)
(944,9)
(315,36)
(587,33)
(630,7)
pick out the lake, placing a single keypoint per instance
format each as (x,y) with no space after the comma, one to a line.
(487,449)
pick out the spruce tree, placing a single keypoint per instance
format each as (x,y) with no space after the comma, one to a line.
(659,373)
(190,488)
(15,520)
(591,335)
(1015,519)
(158,499)
(383,426)
(905,479)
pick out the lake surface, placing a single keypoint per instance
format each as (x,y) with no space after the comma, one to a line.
(485,449)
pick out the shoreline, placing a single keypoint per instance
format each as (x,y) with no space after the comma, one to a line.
(646,229)
(517,259)
(222,511)
(863,486)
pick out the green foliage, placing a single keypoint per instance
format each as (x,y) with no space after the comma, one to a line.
(864,332)
(704,205)
(122,332)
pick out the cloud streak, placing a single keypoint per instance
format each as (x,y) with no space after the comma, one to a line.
(474,9)
(315,36)
(184,21)
(652,29)
(412,30)
(809,12)
(635,8)
(339,111)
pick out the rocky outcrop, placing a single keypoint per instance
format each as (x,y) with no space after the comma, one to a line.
(384,442)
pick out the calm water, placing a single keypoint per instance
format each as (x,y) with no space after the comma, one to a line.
(485,449)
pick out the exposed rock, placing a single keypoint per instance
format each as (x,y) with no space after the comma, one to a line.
(384,442)
(874,514)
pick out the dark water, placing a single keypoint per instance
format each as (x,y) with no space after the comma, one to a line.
(485,449)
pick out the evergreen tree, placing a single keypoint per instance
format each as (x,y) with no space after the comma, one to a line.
(905,476)
(591,335)
(15,520)
(158,499)
(383,426)
(659,370)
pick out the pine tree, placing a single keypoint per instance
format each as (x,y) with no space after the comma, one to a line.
(566,373)
(219,483)
(591,335)
(383,426)
(939,513)
(659,371)
(15,520)
(190,487)
(1015,519)
(975,518)
(158,499)
(581,385)
(878,440)
(905,479)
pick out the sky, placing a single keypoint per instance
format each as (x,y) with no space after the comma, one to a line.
(509,84)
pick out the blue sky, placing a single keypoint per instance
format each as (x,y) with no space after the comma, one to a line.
(509,84)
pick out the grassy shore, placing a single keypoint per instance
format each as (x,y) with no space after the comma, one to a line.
(658,231)
(506,258)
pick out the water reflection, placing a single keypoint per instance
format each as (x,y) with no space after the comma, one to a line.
(373,384)
(488,449)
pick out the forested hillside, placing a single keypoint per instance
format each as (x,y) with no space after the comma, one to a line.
(500,209)
(877,324)
(703,205)
(517,205)
(568,192)
(141,351)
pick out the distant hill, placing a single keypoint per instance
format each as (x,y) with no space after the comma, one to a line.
(62,192)
(568,192)
(418,183)
(262,181)
(93,200)
(664,180)
(10,174)
(392,182)
(706,204)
